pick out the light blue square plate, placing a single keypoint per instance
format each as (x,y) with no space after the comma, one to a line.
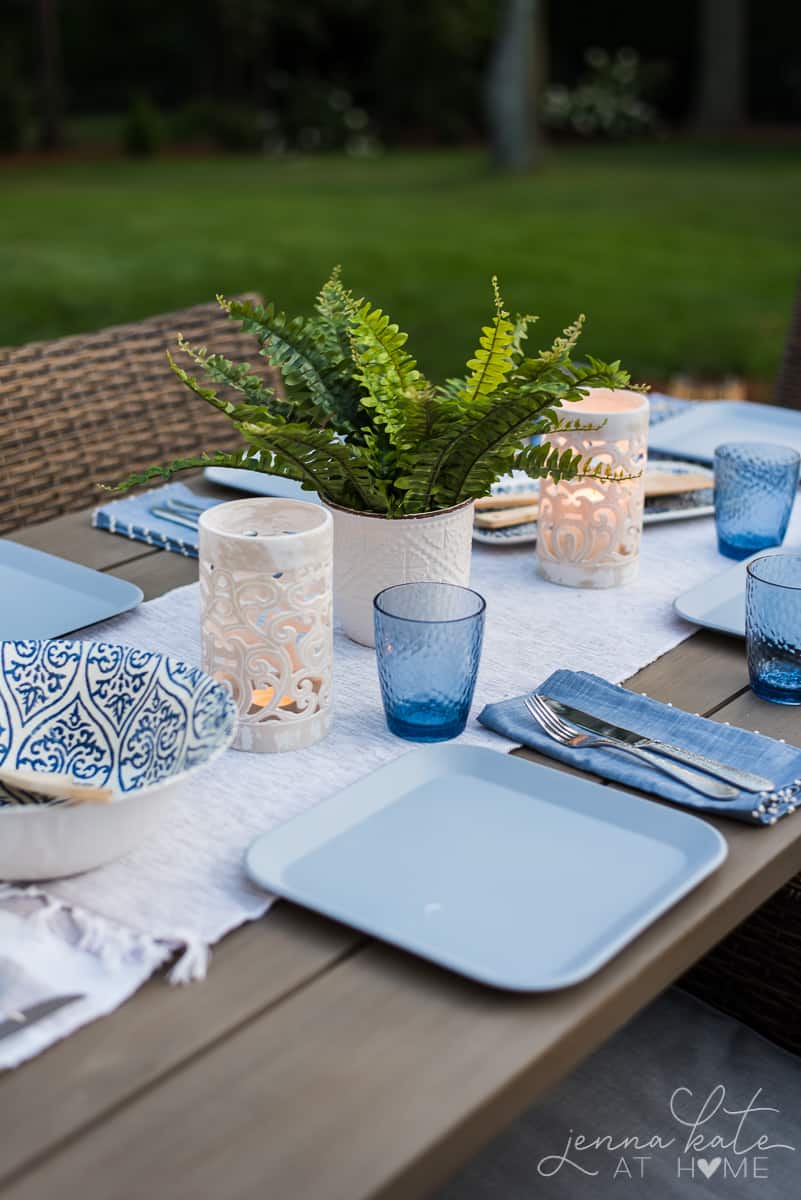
(719,603)
(508,872)
(696,432)
(42,596)
(257,484)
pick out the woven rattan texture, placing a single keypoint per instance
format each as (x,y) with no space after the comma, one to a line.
(755,973)
(93,408)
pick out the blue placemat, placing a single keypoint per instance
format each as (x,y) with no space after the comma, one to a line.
(611,702)
(133,517)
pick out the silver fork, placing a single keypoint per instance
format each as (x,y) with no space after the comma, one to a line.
(568,735)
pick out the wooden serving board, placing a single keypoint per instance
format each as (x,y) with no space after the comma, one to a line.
(502,518)
(520,508)
(662,483)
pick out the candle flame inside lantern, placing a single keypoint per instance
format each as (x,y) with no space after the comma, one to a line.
(264,696)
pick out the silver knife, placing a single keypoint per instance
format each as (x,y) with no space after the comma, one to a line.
(736,775)
(35,1012)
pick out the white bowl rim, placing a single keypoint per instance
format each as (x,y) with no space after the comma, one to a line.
(118,798)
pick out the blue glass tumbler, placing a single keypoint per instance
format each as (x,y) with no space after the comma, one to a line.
(773,627)
(428,644)
(755,486)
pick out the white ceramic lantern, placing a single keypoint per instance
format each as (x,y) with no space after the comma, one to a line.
(265,593)
(588,531)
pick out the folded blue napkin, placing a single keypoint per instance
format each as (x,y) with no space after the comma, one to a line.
(614,703)
(133,517)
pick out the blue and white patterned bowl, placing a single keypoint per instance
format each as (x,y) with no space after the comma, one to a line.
(109,715)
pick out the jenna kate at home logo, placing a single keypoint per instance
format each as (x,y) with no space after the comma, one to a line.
(704,1136)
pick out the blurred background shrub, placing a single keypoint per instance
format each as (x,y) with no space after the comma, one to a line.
(613,99)
(224,126)
(143,131)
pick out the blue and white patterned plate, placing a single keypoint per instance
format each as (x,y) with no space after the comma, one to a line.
(107,715)
(657,508)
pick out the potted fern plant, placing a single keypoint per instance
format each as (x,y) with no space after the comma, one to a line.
(398,459)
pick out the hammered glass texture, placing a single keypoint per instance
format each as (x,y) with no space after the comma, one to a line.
(773,627)
(428,640)
(755,486)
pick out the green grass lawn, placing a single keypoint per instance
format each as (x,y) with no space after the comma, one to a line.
(682,258)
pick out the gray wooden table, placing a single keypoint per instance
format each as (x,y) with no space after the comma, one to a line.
(315,1064)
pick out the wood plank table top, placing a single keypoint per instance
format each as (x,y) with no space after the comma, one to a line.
(316,1064)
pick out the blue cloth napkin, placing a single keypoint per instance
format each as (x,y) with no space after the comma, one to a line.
(132,517)
(614,703)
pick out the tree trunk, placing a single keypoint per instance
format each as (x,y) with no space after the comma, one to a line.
(50,51)
(513,86)
(721,97)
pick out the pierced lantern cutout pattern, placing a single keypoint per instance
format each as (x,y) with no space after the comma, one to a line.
(266,621)
(588,531)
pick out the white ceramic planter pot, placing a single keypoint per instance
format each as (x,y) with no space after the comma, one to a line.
(373,552)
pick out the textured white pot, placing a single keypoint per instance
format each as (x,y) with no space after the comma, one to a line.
(373,552)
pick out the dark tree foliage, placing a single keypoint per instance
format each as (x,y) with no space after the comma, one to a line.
(418,68)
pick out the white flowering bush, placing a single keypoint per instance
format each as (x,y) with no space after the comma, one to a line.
(609,100)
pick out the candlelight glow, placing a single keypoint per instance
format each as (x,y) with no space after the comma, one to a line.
(589,530)
(264,696)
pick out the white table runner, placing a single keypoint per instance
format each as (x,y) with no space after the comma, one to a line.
(185,885)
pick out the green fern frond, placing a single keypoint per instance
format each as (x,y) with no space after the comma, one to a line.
(239,458)
(319,460)
(311,378)
(521,324)
(562,346)
(487,441)
(493,360)
(358,422)
(575,425)
(487,450)
(422,414)
(383,366)
(451,389)
(336,307)
(398,400)
(587,373)
(237,376)
(463,403)
(544,461)
(208,394)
